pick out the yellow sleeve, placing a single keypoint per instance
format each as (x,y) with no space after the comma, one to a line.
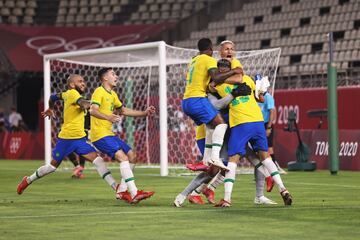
(236,63)
(249,81)
(224,89)
(73,96)
(118,103)
(96,97)
(211,63)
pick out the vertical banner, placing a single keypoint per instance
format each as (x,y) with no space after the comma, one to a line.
(15,144)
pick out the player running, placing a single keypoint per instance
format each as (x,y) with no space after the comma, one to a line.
(72,135)
(104,110)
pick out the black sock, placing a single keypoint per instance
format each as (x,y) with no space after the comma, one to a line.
(82,161)
(72,157)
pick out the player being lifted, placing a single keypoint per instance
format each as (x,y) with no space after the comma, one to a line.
(72,135)
(247,125)
(202,68)
(227,51)
(104,110)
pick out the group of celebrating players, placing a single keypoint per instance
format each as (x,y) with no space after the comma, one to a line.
(218,94)
(213,85)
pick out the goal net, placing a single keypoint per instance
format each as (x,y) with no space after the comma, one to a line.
(150,74)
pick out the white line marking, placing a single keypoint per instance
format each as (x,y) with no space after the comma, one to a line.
(178,210)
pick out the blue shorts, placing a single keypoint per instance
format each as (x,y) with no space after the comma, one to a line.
(199,109)
(110,145)
(201,145)
(241,134)
(226,117)
(66,146)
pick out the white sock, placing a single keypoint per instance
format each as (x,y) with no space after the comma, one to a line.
(261,168)
(208,145)
(123,185)
(271,167)
(217,140)
(229,180)
(40,172)
(260,182)
(128,175)
(216,181)
(104,172)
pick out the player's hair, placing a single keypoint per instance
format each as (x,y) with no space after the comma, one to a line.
(226,41)
(71,77)
(103,71)
(204,44)
(224,63)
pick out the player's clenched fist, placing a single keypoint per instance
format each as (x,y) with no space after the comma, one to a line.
(150,110)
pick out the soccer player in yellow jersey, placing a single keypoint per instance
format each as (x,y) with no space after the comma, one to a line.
(247,125)
(202,68)
(72,135)
(105,107)
(222,104)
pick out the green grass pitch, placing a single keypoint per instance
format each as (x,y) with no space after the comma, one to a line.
(58,207)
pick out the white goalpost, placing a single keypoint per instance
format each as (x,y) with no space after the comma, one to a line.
(150,74)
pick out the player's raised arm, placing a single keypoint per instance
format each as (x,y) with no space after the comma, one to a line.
(135,113)
(50,111)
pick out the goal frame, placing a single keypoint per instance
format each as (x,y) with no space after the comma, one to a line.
(161,48)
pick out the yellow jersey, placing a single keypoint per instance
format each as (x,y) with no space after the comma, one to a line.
(243,109)
(235,63)
(197,77)
(74,116)
(200,132)
(107,102)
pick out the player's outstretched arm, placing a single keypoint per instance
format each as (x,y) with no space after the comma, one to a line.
(219,78)
(50,111)
(94,111)
(234,79)
(135,113)
(220,103)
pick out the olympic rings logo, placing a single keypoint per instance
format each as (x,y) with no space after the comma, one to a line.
(45,44)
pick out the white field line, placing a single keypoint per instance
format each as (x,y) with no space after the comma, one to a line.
(175,211)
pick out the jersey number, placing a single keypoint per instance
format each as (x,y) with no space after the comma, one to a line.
(237,100)
(191,71)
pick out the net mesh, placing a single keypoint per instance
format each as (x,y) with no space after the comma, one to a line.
(139,87)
